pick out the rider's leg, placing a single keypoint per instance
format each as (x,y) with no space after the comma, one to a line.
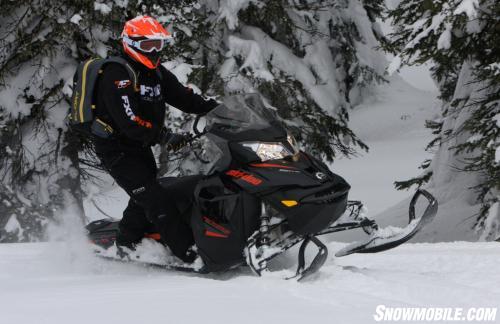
(136,172)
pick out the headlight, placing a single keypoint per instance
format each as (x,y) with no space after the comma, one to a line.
(273,150)
(268,151)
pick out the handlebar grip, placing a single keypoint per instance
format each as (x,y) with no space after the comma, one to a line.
(195,125)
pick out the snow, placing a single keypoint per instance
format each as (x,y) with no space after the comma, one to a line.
(380,237)
(75,19)
(253,56)
(323,92)
(391,123)
(102,7)
(150,251)
(13,226)
(394,65)
(228,11)
(366,52)
(469,7)
(492,223)
(444,41)
(23,199)
(437,20)
(418,76)
(392,126)
(61,281)
(121,3)
(44,284)
(497,119)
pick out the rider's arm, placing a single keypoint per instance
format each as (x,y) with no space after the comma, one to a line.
(182,97)
(121,101)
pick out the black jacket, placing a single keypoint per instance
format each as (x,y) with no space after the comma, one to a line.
(137,115)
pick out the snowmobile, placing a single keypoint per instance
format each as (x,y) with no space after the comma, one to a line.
(261,196)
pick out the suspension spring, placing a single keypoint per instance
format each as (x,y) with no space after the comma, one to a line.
(264,227)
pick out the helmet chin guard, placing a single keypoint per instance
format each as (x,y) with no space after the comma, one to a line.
(143,38)
(147,59)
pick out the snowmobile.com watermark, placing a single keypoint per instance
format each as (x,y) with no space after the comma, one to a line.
(434,314)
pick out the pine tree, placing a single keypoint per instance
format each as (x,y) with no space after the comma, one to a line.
(461,39)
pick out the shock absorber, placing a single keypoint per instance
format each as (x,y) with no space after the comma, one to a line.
(264,240)
(264,227)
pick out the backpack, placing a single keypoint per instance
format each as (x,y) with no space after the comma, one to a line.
(82,117)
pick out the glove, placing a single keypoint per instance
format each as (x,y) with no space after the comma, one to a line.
(172,141)
(210,105)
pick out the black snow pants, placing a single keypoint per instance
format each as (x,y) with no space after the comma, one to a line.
(149,208)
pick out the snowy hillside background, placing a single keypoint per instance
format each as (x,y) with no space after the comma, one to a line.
(323,57)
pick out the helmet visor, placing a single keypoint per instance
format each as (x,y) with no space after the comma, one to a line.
(147,45)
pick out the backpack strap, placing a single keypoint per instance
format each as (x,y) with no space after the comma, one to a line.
(82,93)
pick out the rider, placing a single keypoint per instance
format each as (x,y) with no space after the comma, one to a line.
(137,118)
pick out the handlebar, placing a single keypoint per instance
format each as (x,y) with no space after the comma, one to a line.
(195,126)
(197,135)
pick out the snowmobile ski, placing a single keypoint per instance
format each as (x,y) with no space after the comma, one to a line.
(258,256)
(381,240)
(304,272)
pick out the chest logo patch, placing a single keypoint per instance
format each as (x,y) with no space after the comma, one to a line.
(123,83)
(152,92)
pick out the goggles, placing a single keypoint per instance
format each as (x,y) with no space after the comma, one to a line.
(148,45)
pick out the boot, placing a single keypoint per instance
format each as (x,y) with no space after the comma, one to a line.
(178,236)
(128,239)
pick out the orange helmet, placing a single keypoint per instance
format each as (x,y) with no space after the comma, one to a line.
(143,38)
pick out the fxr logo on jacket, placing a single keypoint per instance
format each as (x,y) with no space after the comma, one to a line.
(123,83)
(132,116)
(150,93)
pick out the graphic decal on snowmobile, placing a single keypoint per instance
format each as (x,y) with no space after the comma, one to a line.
(270,165)
(220,231)
(238,219)
(153,236)
(251,179)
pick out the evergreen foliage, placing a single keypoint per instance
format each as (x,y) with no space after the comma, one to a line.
(461,38)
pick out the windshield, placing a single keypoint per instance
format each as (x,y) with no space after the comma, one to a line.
(241,112)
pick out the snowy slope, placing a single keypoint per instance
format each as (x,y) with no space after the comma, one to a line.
(391,123)
(44,284)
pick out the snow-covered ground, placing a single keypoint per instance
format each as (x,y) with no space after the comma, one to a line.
(45,284)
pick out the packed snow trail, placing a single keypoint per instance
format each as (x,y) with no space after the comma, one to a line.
(43,283)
